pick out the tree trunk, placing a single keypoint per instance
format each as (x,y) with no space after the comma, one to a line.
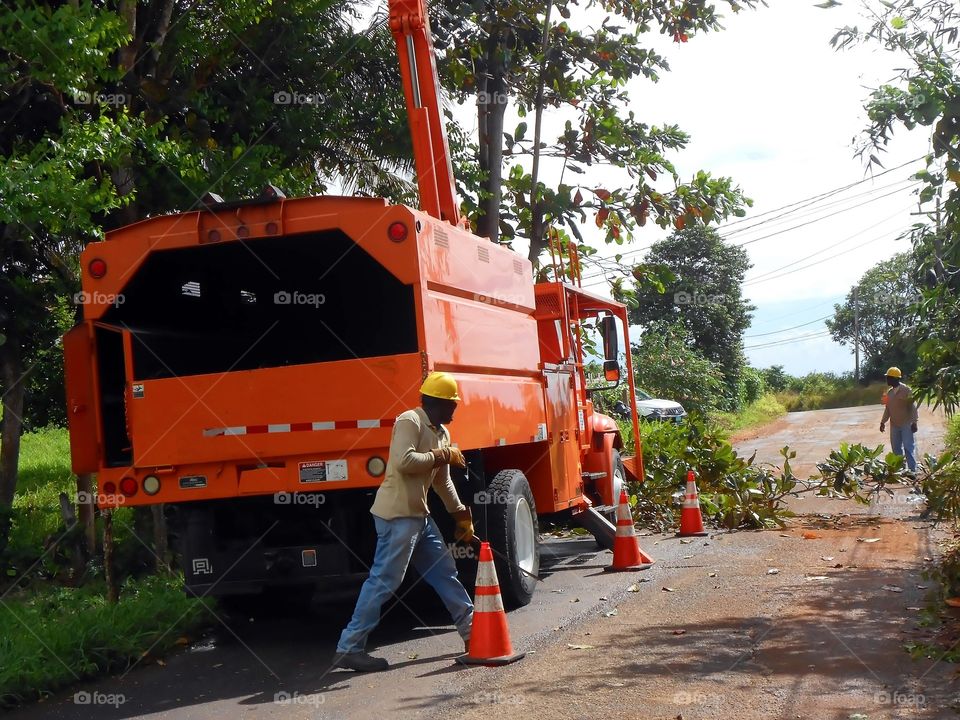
(13,386)
(86,490)
(113,593)
(160,543)
(492,103)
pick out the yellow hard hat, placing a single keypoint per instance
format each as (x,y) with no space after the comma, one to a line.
(440,385)
(894,372)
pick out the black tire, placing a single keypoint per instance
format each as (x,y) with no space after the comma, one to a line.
(508,497)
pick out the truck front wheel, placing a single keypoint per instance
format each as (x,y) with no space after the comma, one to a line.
(514,535)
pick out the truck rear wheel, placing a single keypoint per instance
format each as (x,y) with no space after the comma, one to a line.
(513,533)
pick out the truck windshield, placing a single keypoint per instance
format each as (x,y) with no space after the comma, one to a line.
(262,303)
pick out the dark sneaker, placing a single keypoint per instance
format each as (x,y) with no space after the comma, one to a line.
(359,661)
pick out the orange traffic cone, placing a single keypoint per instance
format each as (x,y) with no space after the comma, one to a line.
(627,554)
(490,637)
(691,519)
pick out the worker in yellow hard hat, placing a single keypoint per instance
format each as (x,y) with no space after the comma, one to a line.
(420,458)
(901,411)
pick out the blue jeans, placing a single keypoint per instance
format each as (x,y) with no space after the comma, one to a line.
(399,542)
(901,443)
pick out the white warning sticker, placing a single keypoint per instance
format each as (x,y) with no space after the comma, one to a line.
(541,432)
(323,471)
(336,469)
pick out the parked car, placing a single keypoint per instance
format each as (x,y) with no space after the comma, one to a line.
(653,408)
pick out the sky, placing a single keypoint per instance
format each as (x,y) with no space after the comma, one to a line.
(769,103)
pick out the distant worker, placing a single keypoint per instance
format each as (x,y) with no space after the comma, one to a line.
(420,458)
(901,411)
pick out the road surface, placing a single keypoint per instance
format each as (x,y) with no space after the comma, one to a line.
(744,625)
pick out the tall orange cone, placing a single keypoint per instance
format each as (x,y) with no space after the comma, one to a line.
(627,554)
(691,519)
(490,637)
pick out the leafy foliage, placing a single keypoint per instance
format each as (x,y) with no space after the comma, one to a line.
(705,297)
(565,63)
(667,364)
(925,93)
(884,299)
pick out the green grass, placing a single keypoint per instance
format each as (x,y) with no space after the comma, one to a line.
(765,410)
(57,636)
(44,474)
(52,636)
(824,398)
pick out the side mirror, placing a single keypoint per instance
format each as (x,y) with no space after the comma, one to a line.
(611,340)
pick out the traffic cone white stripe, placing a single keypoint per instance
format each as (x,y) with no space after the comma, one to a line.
(625,531)
(488,603)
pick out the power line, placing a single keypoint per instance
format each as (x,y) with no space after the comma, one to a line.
(785,216)
(801,311)
(825,194)
(835,245)
(788,341)
(803,204)
(777,332)
(820,262)
(823,217)
(620,267)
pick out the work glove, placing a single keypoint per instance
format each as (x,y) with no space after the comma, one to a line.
(448,456)
(881,427)
(464,531)
(913,428)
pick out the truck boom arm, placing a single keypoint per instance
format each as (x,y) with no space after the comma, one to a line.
(410,26)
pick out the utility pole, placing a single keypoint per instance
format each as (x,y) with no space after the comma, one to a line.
(856,334)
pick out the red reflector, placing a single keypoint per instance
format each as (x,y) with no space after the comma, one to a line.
(397,231)
(128,486)
(97,268)
(109,488)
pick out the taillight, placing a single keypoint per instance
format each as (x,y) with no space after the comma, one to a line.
(397,231)
(109,488)
(128,486)
(97,268)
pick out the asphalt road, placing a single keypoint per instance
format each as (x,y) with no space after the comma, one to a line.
(708,632)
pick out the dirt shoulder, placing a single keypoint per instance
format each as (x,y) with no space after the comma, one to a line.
(805,623)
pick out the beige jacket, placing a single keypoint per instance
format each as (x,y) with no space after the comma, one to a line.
(410,472)
(901,409)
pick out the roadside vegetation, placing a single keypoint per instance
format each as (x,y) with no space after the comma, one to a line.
(56,624)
